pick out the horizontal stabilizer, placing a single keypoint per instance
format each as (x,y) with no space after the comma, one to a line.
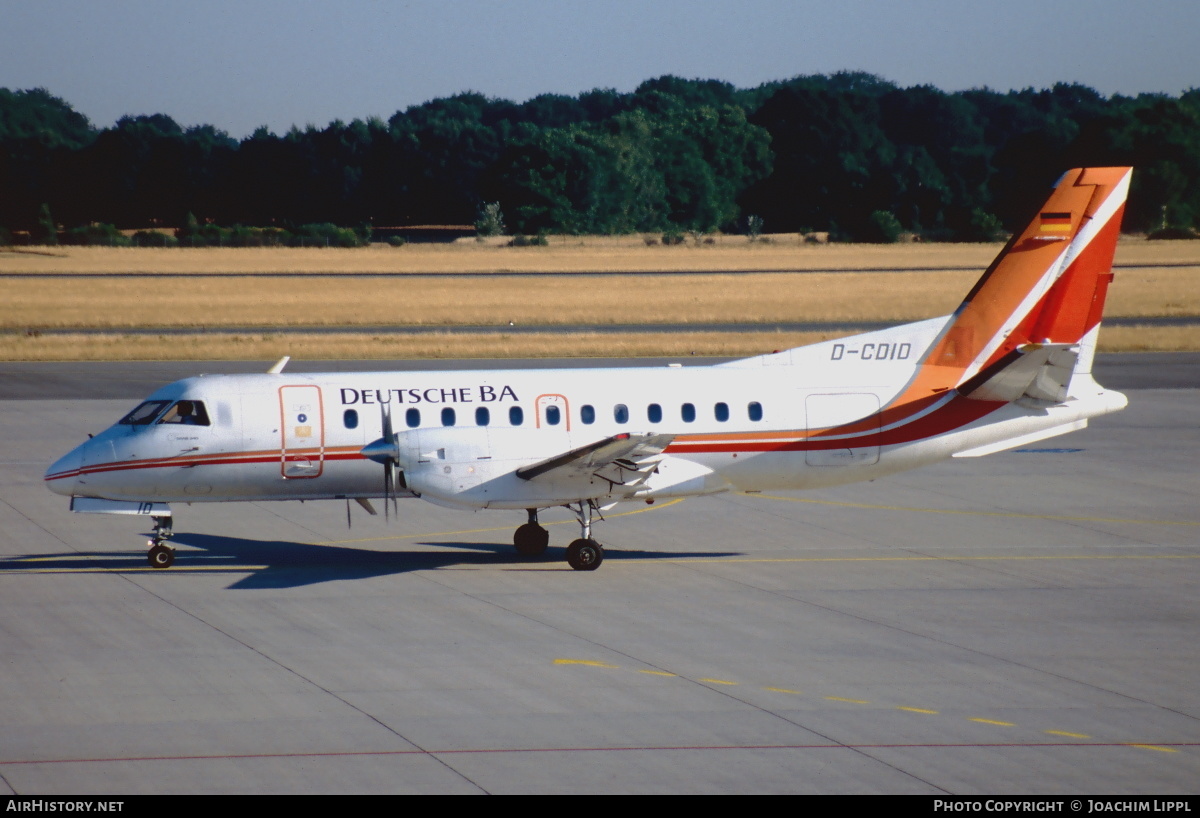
(1039,372)
(1023,440)
(620,453)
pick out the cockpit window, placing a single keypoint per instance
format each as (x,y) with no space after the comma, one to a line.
(187,413)
(144,414)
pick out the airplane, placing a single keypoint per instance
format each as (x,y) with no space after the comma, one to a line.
(1012,365)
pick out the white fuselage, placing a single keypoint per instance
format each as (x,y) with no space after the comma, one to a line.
(798,419)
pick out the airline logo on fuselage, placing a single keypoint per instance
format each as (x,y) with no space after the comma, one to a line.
(482,393)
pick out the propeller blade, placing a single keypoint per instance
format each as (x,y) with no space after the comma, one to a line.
(389,465)
(387,490)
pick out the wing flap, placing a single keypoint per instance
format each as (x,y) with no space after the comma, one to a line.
(624,459)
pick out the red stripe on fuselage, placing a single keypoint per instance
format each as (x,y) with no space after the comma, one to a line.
(230,458)
(954,415)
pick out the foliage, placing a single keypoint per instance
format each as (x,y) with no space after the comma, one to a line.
(984,227)
(193,234)
(46,231)
(490,221)
(37,115)
(153,238)
(822,152)
(882,228)
(326,235)
(241,236)
(96,235)
(1173,233)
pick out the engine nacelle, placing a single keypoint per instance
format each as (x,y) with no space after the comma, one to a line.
(472,466)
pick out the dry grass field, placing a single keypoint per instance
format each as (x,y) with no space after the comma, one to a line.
(222,291)
(267,346)
(564,255)
(235,301)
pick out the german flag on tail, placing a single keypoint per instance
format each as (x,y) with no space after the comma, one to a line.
(1053,226)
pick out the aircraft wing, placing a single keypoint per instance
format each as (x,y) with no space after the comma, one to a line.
(1040,372)
(624,459)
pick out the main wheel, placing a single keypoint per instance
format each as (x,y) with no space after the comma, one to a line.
(585,555)
(531,540)
(161,556)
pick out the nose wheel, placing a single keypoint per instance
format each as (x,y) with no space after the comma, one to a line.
(160,554)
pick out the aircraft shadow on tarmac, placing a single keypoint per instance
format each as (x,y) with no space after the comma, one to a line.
(282,564)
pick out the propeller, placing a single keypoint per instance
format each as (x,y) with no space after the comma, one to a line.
(385,451)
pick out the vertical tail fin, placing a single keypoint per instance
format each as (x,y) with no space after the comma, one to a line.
(1048,285)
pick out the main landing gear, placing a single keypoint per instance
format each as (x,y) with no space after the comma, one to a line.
(584,554)
(531,539)
(160,554)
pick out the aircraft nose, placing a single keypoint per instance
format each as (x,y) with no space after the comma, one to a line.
(63,474)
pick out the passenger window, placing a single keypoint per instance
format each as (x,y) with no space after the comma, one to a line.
(350,418)
(755,410)
(448,416)
(413,418)
(688,410)
(721,412)
(144,414)
(587,413)
(187,413)
(621,413)
(654,413)
(482,416)
(516,415)
(553,415)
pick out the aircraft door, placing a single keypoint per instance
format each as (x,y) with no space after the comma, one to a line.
(302,432)
(553,412)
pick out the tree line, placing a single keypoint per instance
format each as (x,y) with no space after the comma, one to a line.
(848,153)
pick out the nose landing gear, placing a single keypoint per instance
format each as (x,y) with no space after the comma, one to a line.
(585,554)
(160,554)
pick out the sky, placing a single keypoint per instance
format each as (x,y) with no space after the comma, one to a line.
(240,65)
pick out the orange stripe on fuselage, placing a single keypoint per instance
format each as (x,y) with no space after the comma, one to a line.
(958,412)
